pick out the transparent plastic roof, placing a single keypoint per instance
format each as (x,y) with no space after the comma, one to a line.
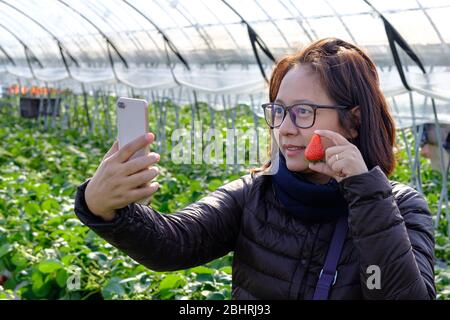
(204,45)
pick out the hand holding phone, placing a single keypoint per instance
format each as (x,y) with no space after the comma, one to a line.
(132,122)
(118,180)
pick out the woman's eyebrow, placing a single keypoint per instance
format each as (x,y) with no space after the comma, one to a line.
(295,101)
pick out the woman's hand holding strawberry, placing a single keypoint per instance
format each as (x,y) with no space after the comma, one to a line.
(342,160)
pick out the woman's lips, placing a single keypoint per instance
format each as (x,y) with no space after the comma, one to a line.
(292,150)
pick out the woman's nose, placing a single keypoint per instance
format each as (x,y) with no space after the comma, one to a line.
(287,126)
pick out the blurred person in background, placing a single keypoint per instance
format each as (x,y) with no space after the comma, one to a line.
(429,147)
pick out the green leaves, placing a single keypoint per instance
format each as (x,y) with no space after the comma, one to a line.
(113,289)
(49,266)
(76,152)
(61,277)
(40,287)
(214,184)
(202,270)
(50,205)
(18,260)
(5,249)
(171,281)
(32,208)
(169,285)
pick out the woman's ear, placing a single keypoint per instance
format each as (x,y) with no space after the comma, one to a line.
(356,120)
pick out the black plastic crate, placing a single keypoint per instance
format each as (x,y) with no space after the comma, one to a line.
(29,107)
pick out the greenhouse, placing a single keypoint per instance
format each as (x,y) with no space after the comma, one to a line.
(205,68)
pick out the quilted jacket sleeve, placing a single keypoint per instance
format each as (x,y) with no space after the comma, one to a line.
(392,229)
(201,232)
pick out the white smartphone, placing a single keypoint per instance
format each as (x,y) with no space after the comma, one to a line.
(132,122)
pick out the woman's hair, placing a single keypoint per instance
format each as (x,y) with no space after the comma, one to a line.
(350,78)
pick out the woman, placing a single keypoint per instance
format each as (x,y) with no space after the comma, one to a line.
(429,146)
(281,223)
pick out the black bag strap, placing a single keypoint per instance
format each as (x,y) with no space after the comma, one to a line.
(328,274)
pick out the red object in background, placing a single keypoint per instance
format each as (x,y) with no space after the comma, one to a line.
(33,91)
(3,279)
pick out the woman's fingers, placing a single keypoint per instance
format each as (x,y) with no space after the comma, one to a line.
(349,152)
(131,148)
(337,138)
(141,178)
(140,163)
(324,168)
(339,166)
(334,163)
(331,152)
(142,192)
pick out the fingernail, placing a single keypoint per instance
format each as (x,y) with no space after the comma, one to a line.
(154,155)
(148,136)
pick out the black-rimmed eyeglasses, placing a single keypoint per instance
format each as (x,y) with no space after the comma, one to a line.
(303,115)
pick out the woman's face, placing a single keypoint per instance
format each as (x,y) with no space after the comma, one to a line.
(302,84)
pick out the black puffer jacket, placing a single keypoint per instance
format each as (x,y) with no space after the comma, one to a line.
(277,256)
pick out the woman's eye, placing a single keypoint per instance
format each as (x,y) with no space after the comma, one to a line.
(279,111)
(304,111)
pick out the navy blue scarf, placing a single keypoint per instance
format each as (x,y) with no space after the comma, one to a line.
(308,201)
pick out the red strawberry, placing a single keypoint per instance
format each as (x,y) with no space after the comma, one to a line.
(315,152)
